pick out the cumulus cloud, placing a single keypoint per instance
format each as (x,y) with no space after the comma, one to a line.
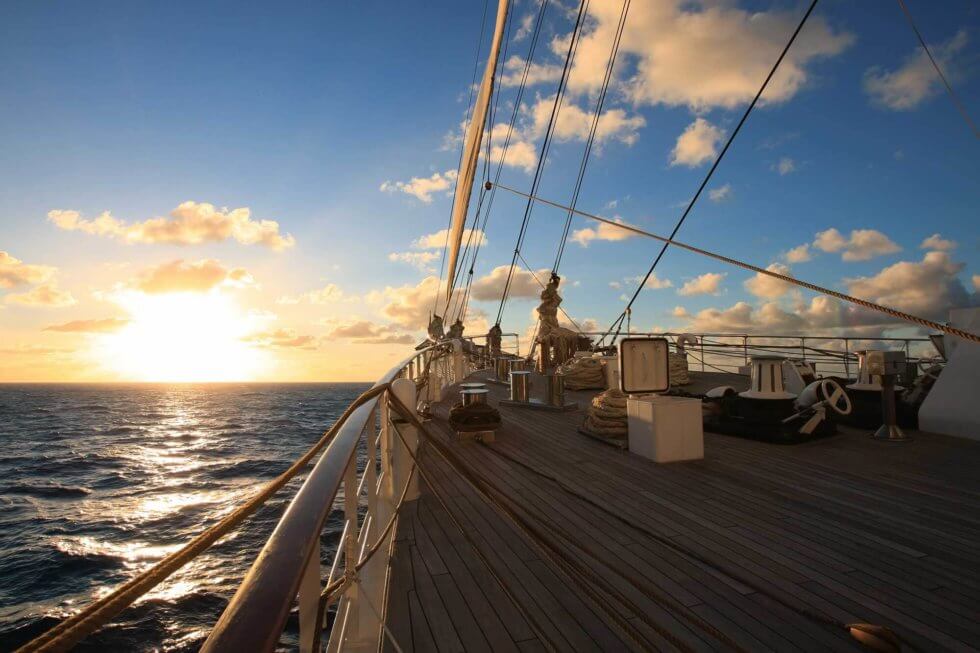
(46,295)
(785,166)
(799,254)
(522,285)
(762,285)
(190,276)
(928,288)
(708,283)
(654,282)
(409,306)
(328,294)
(190,223)
(938,243)
(705,54)
(422,188)
(697,144)
(14,272)
(104,325)
(862,245)
(420,260)
(602,231)
(721,193)
(575,123)
(438,239)
(281,339)
(915,80)
(364,332)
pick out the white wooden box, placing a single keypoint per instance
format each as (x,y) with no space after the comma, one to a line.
(665,429)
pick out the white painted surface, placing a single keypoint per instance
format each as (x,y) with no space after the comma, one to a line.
(953,404)
(665,429)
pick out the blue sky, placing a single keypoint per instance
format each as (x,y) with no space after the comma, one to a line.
(302,112)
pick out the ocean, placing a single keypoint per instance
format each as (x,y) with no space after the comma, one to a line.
(97,482)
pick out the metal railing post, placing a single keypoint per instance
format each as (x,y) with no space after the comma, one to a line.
(847,358)
(745,349)
(402,460)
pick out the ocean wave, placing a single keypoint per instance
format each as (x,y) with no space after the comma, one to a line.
(47,490)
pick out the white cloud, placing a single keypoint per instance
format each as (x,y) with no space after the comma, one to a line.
(438,239)
(939,243)
(328,294)
(721,193)
(410,306)
(705,54)
(680,312)
(196,276)
(47,295)
(862,245)
(615,285)
(654,282)
(422,188)
(708,283)
(603,231)
(191,223)
(420,260)
(762,285)
(574,123)
(927,288)
(697,144)
(785,166)
(522,285)
(14,272)
(915,80)
(799,254)
(525,28)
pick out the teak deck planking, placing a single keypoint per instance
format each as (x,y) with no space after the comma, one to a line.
(855,529)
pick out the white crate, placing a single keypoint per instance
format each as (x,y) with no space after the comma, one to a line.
(665,429)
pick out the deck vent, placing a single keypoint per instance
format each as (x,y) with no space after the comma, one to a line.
(767,379)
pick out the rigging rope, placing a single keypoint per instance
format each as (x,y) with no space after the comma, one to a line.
(908,317)
(618,323)
(462,145)
(539,21)
(545,146)
(935,64)
(592,133)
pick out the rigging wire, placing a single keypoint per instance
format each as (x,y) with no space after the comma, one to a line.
(462,145)
(592,133)
(545,146)
(908,317)
(618,323)
(935,64)
(539,21)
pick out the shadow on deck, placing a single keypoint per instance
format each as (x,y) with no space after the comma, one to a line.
(851,528)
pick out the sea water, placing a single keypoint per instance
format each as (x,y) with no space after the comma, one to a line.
(98,482)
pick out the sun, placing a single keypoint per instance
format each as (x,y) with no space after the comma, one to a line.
(182,337)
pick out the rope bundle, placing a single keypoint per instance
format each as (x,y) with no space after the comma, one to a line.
(678,369)
(583,374)
(607,415)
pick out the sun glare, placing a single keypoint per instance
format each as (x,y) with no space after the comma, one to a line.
(182,337)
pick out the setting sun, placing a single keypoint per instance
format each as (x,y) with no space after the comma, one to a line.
(182,337)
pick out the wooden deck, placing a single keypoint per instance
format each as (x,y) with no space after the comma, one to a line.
(852,528)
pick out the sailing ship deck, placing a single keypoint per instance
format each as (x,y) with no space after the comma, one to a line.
(858,530)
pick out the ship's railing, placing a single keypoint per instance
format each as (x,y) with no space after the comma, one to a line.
(366,472)
(830,355)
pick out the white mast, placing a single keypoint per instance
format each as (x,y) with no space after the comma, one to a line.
(471,149)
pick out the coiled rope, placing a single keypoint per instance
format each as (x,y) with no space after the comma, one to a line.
(908,317)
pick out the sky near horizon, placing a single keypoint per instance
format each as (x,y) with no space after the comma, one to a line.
(218,191)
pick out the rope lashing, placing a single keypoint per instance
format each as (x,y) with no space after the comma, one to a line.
(908,317)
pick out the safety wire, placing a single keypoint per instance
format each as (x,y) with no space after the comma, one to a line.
(545,147)
(618,323)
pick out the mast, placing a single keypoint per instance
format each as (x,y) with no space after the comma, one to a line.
(471,149)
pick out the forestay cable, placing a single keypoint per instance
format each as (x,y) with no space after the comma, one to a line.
(908,317)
